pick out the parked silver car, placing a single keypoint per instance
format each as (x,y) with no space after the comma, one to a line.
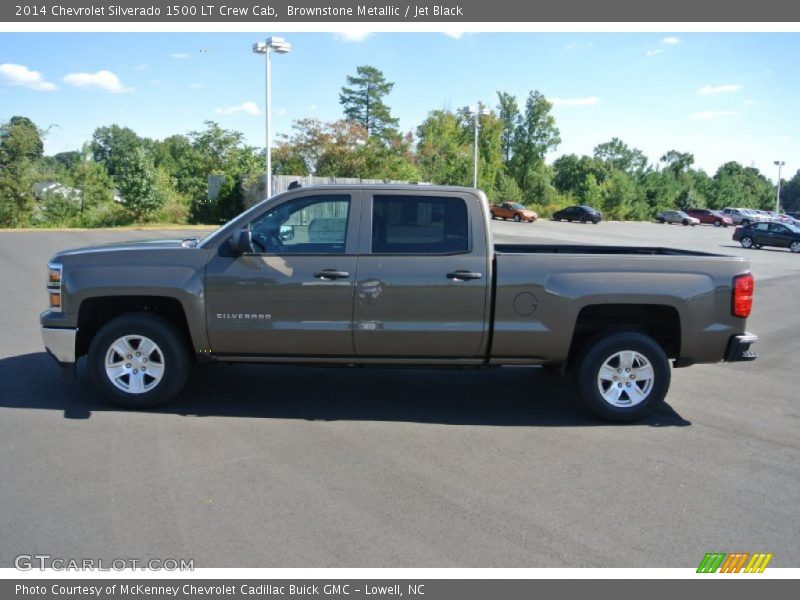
(677,216)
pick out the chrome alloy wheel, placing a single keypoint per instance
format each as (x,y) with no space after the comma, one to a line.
(134,364)
(625,379)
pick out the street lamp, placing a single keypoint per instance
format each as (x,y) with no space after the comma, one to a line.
(281,46)
(780,163)
(476,112)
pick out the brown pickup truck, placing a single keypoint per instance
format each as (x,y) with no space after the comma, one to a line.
(393,275)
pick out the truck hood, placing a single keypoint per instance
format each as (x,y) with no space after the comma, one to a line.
(122,246)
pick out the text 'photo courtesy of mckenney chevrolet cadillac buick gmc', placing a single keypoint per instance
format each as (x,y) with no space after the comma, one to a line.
(393,275)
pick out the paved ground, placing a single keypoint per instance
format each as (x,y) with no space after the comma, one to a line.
(267,466)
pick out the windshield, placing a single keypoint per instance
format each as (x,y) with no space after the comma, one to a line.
(214,235)
(792,227)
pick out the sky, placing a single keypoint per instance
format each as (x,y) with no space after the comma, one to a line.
(720,96)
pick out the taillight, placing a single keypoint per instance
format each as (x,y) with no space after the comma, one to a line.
(742,301)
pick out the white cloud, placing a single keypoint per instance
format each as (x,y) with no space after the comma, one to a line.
(179,55)
(454,33)
(102,80)
(141,67)
(712,114)
(719,89)
(281,112)
(587,101)
(22,76)
(313,108)
(654,52)
(250,108)
(352,35)
(671,40)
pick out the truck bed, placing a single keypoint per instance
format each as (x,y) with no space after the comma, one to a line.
(579,249)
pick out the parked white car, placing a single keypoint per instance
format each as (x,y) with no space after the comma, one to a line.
(677,216)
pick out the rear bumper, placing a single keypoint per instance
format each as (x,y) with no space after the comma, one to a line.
(739,348)
(60,344)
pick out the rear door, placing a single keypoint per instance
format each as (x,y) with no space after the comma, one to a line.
(423,276)
(761,234)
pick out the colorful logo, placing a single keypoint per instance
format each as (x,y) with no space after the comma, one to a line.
(736,562)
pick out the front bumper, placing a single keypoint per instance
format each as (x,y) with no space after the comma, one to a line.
(60,344)
(739,348)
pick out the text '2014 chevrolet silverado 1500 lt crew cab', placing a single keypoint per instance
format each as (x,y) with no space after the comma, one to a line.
(393,275)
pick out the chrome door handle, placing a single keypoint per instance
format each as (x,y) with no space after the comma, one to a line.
(331,274)
(464,275)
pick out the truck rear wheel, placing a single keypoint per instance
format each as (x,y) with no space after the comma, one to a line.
(623,377)
(139,360)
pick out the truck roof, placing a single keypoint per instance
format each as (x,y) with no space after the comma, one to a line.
(412,187)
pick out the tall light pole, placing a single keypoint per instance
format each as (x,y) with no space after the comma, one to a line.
(780,163)
(281,46)
(476,112)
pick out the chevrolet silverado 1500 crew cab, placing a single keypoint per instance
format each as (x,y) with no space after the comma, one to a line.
(393,275)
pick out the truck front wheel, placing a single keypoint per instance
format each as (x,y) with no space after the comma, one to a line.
(139,360)
(623,377)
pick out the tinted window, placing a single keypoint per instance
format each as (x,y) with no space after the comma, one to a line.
(760,226)
(308,225)
(419,225)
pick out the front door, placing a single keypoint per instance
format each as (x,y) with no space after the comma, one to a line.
(423,280)
(293,295)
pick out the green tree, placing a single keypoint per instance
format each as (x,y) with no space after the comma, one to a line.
(21,148)
(790,193)
(136,182)
(93,186)
(20,140)
(678,162)
(616,154)
(570,172)
(534,136)
(735,185)
(113,146)
(508,113)
(362,100)
(443,149)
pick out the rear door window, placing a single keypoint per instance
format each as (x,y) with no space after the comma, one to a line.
(419,225)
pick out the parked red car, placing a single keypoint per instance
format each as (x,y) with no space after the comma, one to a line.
(710,217)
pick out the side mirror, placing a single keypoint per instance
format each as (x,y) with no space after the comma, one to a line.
(241,242)
(287,233)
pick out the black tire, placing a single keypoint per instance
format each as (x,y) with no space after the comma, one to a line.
(685,222)
(602,349)
(795,247)
(170,342)
(595,222)
(517,219)
(717,223)
(583,220)
(746,242)
(662,221)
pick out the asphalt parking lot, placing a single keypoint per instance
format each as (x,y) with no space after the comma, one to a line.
(301,467)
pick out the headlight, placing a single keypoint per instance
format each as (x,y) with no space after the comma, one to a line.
(54,272)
